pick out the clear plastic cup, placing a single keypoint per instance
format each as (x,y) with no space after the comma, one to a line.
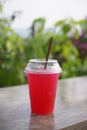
(42,84)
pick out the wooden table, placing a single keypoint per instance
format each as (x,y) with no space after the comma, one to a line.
(70,109)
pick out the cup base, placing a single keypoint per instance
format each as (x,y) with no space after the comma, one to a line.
(40,113)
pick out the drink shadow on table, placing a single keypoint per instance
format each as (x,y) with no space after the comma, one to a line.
(41,122)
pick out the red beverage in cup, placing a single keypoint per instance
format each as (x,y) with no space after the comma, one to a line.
(42,85)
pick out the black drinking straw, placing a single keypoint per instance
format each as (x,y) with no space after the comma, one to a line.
(49,48)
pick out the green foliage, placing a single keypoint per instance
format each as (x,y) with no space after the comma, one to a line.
(15,51)
(62,48)
(11,58)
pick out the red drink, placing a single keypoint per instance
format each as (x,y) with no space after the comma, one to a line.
(42,92)
(42,87)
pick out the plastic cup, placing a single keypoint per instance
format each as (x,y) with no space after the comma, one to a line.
(42,85)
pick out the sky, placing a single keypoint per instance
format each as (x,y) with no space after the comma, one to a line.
(51,10)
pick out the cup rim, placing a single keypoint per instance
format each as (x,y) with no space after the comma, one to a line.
(42,61)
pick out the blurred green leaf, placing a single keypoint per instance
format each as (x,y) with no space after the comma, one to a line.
(66,28)
(59,23)
(76,34)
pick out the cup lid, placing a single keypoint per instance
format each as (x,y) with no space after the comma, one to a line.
(37,65)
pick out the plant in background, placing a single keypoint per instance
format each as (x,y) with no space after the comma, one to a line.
(81,42)
(15,51)
(63,48)
(67,54)
(11,55)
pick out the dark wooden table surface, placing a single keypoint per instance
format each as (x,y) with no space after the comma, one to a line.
(70,109)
